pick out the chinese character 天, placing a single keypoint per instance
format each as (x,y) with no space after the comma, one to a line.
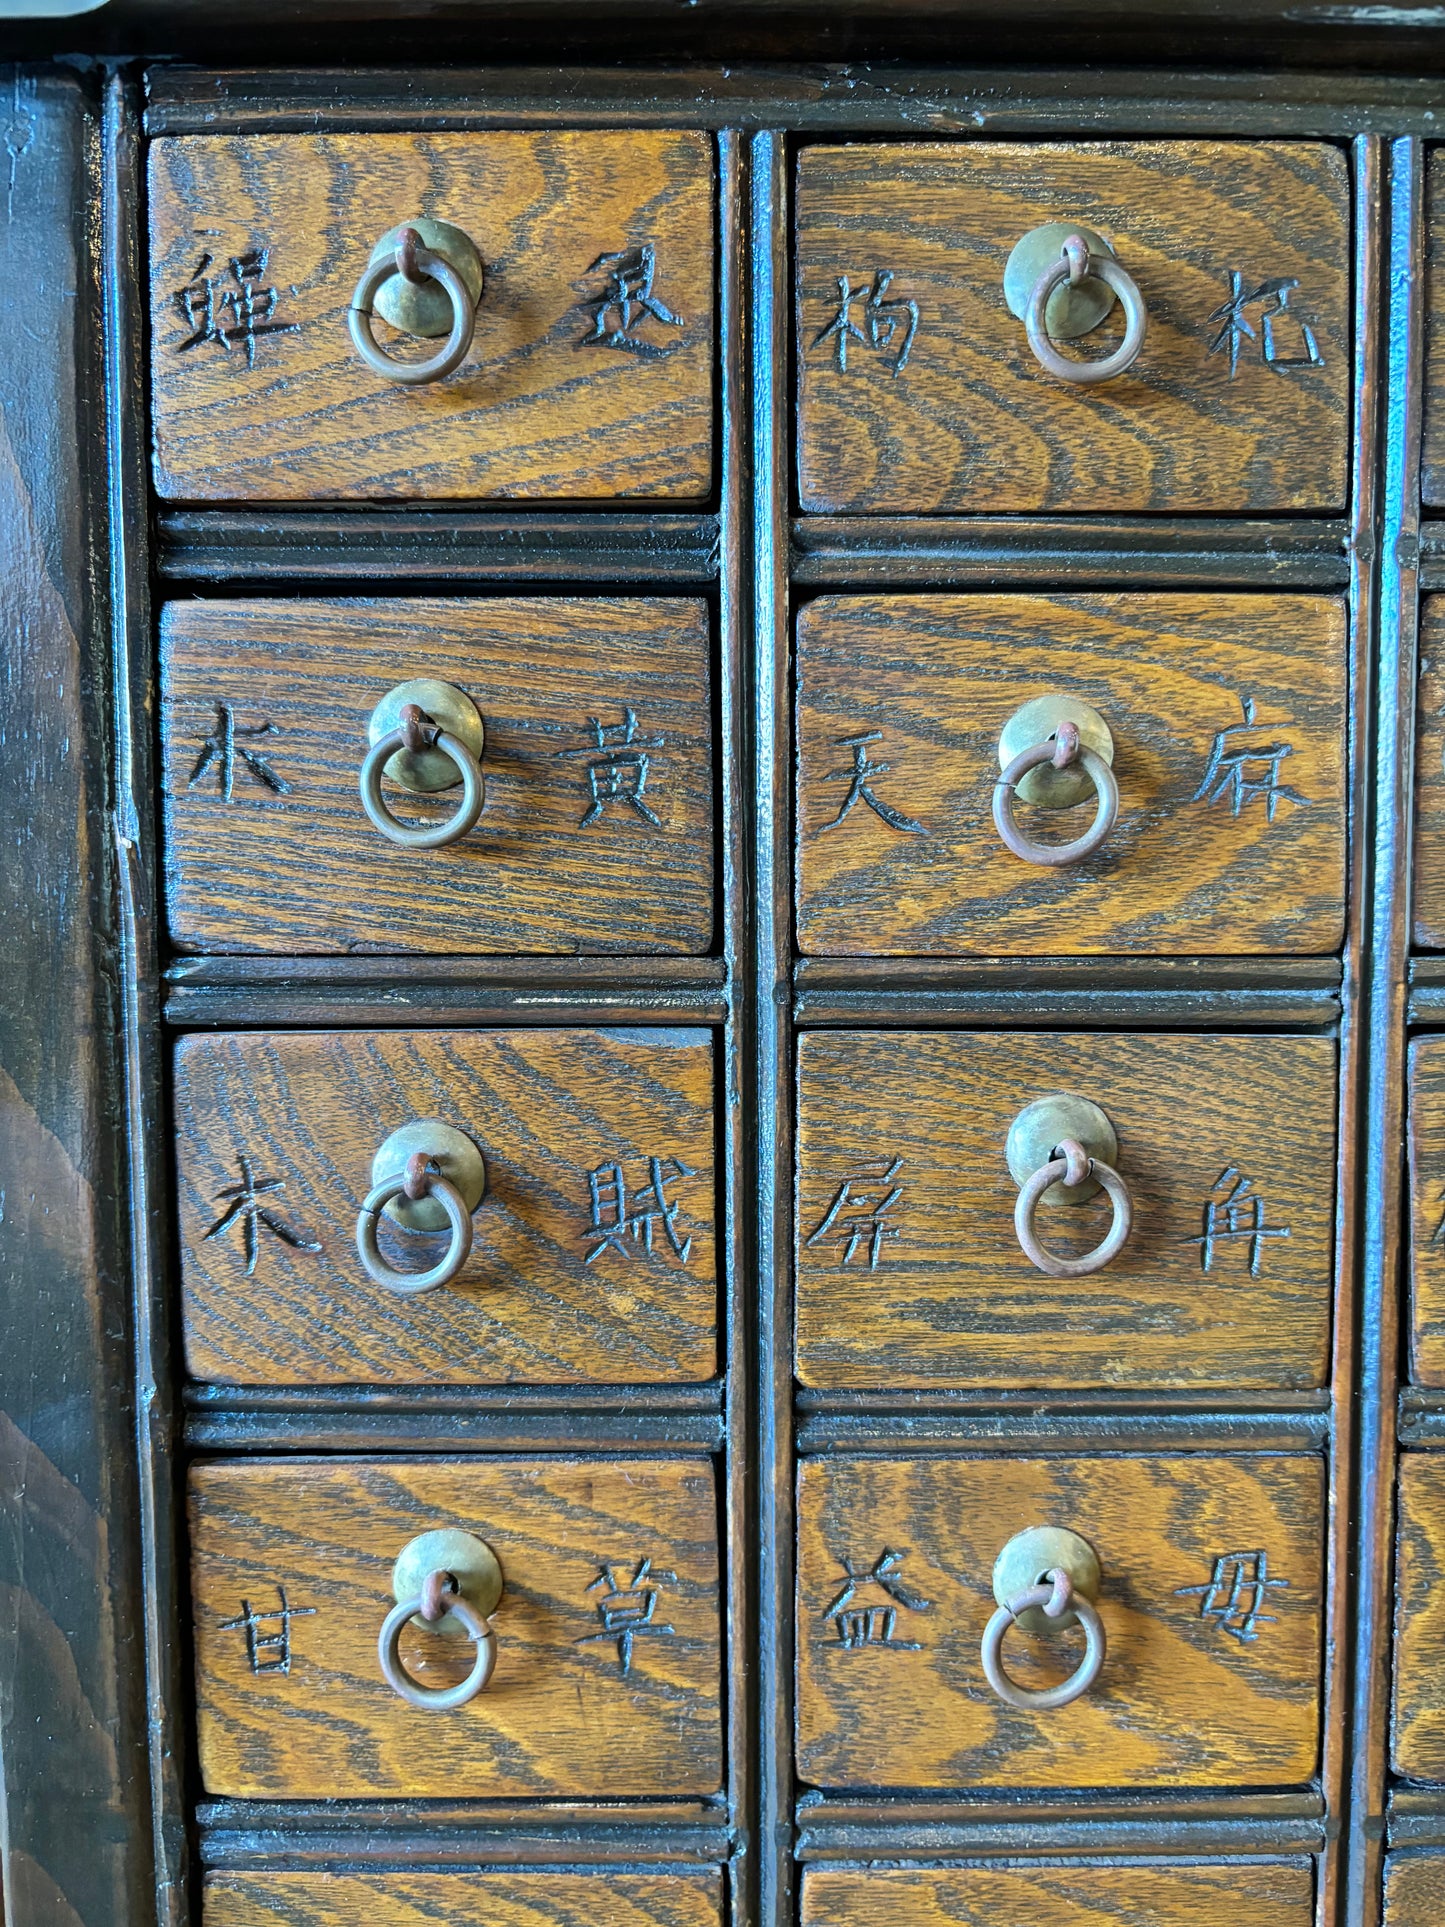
(859,778)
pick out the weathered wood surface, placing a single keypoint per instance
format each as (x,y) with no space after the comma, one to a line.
(1201,861)
(74,1785)
(1414,1889)
(1429,880)
(1088,1896)
(465,1899)
(302,869)
(561,1715)
(1432,464)
(1182,1700)
(536,411)
(1418,1734)
(546,1109)
(953,1301)
(971,421)
(1426,1149)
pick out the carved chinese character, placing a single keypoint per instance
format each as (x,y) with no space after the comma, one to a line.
(885,322)
(1234,1214)
(626,303)
(860,790)
(858,1216)
(619,768)
(268,1635)
(861,1620)
(1235,1594)
(1286,340)
(238,292)
(1241,768)
(617,1218)
(247,1210)
(224,744)
(629,1611)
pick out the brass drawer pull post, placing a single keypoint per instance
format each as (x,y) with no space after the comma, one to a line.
(426,736)
(451,1582)
(1063,1148)
(1058,1594)
(425,1177)
(424,277)
(1059,259)
(1077,744)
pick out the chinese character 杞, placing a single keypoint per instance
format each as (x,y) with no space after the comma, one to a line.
(1278,323)
(231,311)
(616,1218)
(626,301)
(858,1215)
(860,788)
(269,1651)
(224,745)
(246,1209)
(1235,1594)
(1240,771)
(628,1611)
(885,321)
(872,1623)
(1234,1214)
(619,769)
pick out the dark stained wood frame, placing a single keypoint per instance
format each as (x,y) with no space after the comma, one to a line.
(751,552)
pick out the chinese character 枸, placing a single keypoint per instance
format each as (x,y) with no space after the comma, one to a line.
(224,745)
(246,1209)
(860,785)
(1278,323)
(269,1652)
(626,301)
(884,321)
(619,768)
(858,1215)
(616,1218)
(1240,771)
(1235,1593)
(206,300)
(872,1623)
(628,1611)
(1234,1214)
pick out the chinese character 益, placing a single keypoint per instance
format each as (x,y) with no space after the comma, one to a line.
(616,1218)
(1234,1214)
(1280,326)
(627,1611)
(224,745)
(860,788)
(1235,1593)
(619,768)
(246,1209)
(626,302)
(858,1215)
(269,1651)
(864,1622)
(885,321)
(207,300)
(1240,771)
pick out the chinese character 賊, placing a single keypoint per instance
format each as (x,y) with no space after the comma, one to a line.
(618,1219)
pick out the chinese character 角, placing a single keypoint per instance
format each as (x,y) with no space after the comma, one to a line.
(1235,1593)
(1234,1214)
(872,1622)
(884,320)
(269,1652)
(207,298)
(860,787)
(246,1209)
(1276,318)
(616,1218)
(224,745)
(1241,771)
(619,769)
(858,1215)
(627,1611)
(628,297)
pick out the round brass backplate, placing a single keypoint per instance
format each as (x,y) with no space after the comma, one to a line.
(451,709)
(1045,787)
(459,1162)
(425,308)
(1030,1556)
(1041,1126)
(1071,311)
(470,1560)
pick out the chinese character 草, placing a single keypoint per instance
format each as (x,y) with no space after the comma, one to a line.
(858,1215)
(627,1611)
(1235,1593)
(885,322)
(860,1620)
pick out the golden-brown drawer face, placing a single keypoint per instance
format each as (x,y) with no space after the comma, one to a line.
(1210,1604)
(919,392)
(1120,1895)
(1414,1889)
(490,1899)
(910,1269)
(589,376)
(1433,463)
(1226,714)
(1419,1722)
(607,1675)
(1429,893)
(1427,1210)
(593,1251)
(595,832)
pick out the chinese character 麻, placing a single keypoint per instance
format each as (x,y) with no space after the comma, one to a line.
(1234,1214)
(858,1215)
(860,788)
(207,299)
(1240,771)
(1234,1595)
(628,1611)
(885,321)
(866,1622)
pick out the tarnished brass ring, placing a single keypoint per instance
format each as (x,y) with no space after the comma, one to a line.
(452,353)
(1070,1165)
(459,1249)
(436,1699)
(1106,269)
(1052,855)
(1056,1598)
(422,836)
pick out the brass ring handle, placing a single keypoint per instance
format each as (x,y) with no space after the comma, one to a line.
(414,263)
(421,1178)
(1056,1597)
(1061,749)
(1076,264)
(1071,1165)
(440,1595)
(419,731)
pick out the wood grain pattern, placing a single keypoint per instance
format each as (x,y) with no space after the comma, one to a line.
(545,1108)
(953,1300)
(303,870)
(1181,872)
(1414,1889)
(1429,879)
(1418,1727)
(1425,1141)
(1432,464)
(1180,1702)
(534,412)
(560,1716)
(422,1899)
(1085,1896)
(973,422)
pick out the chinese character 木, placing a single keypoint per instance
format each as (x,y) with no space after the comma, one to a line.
(873,1623)
(629,297)
(884,321)
(619,769)
(207,298)
(1240,771)
(223,746)
(245,1208)
(627,1611)
(860,787)
(1235,1593)
(269,1652)
(615,1218)
(1234,1213)
(1274,294)
(858,1215)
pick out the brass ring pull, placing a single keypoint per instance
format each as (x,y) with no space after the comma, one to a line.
(1063,749)
(1076,264)
(1056,1597)
(421,1178)
(440,1594)
(1072,1165)
(414,263)
(418,733)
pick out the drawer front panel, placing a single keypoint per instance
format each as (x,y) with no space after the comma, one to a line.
(1429,893)
(1414,1889)
(921,393)
(596,828)
(593,1250)
(1433,464)
(464,1899)
(258,393)
(1206,1682)
(578,1706)
(910,1270)
(1419,1722)
(1427,1210)
(1227,718)
(1094,1896)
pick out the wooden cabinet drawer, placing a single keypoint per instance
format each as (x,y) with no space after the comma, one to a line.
(1426,1140)
(1432,475)
(1110,1895)
(593,1256)
(1226,714)
(589,375)
(910,1269)
(1429,892)
(919,392)
(595,831)
(1414,1889)
(489,1899)
(1210,1603)
(607,1676)
(1419,1721)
